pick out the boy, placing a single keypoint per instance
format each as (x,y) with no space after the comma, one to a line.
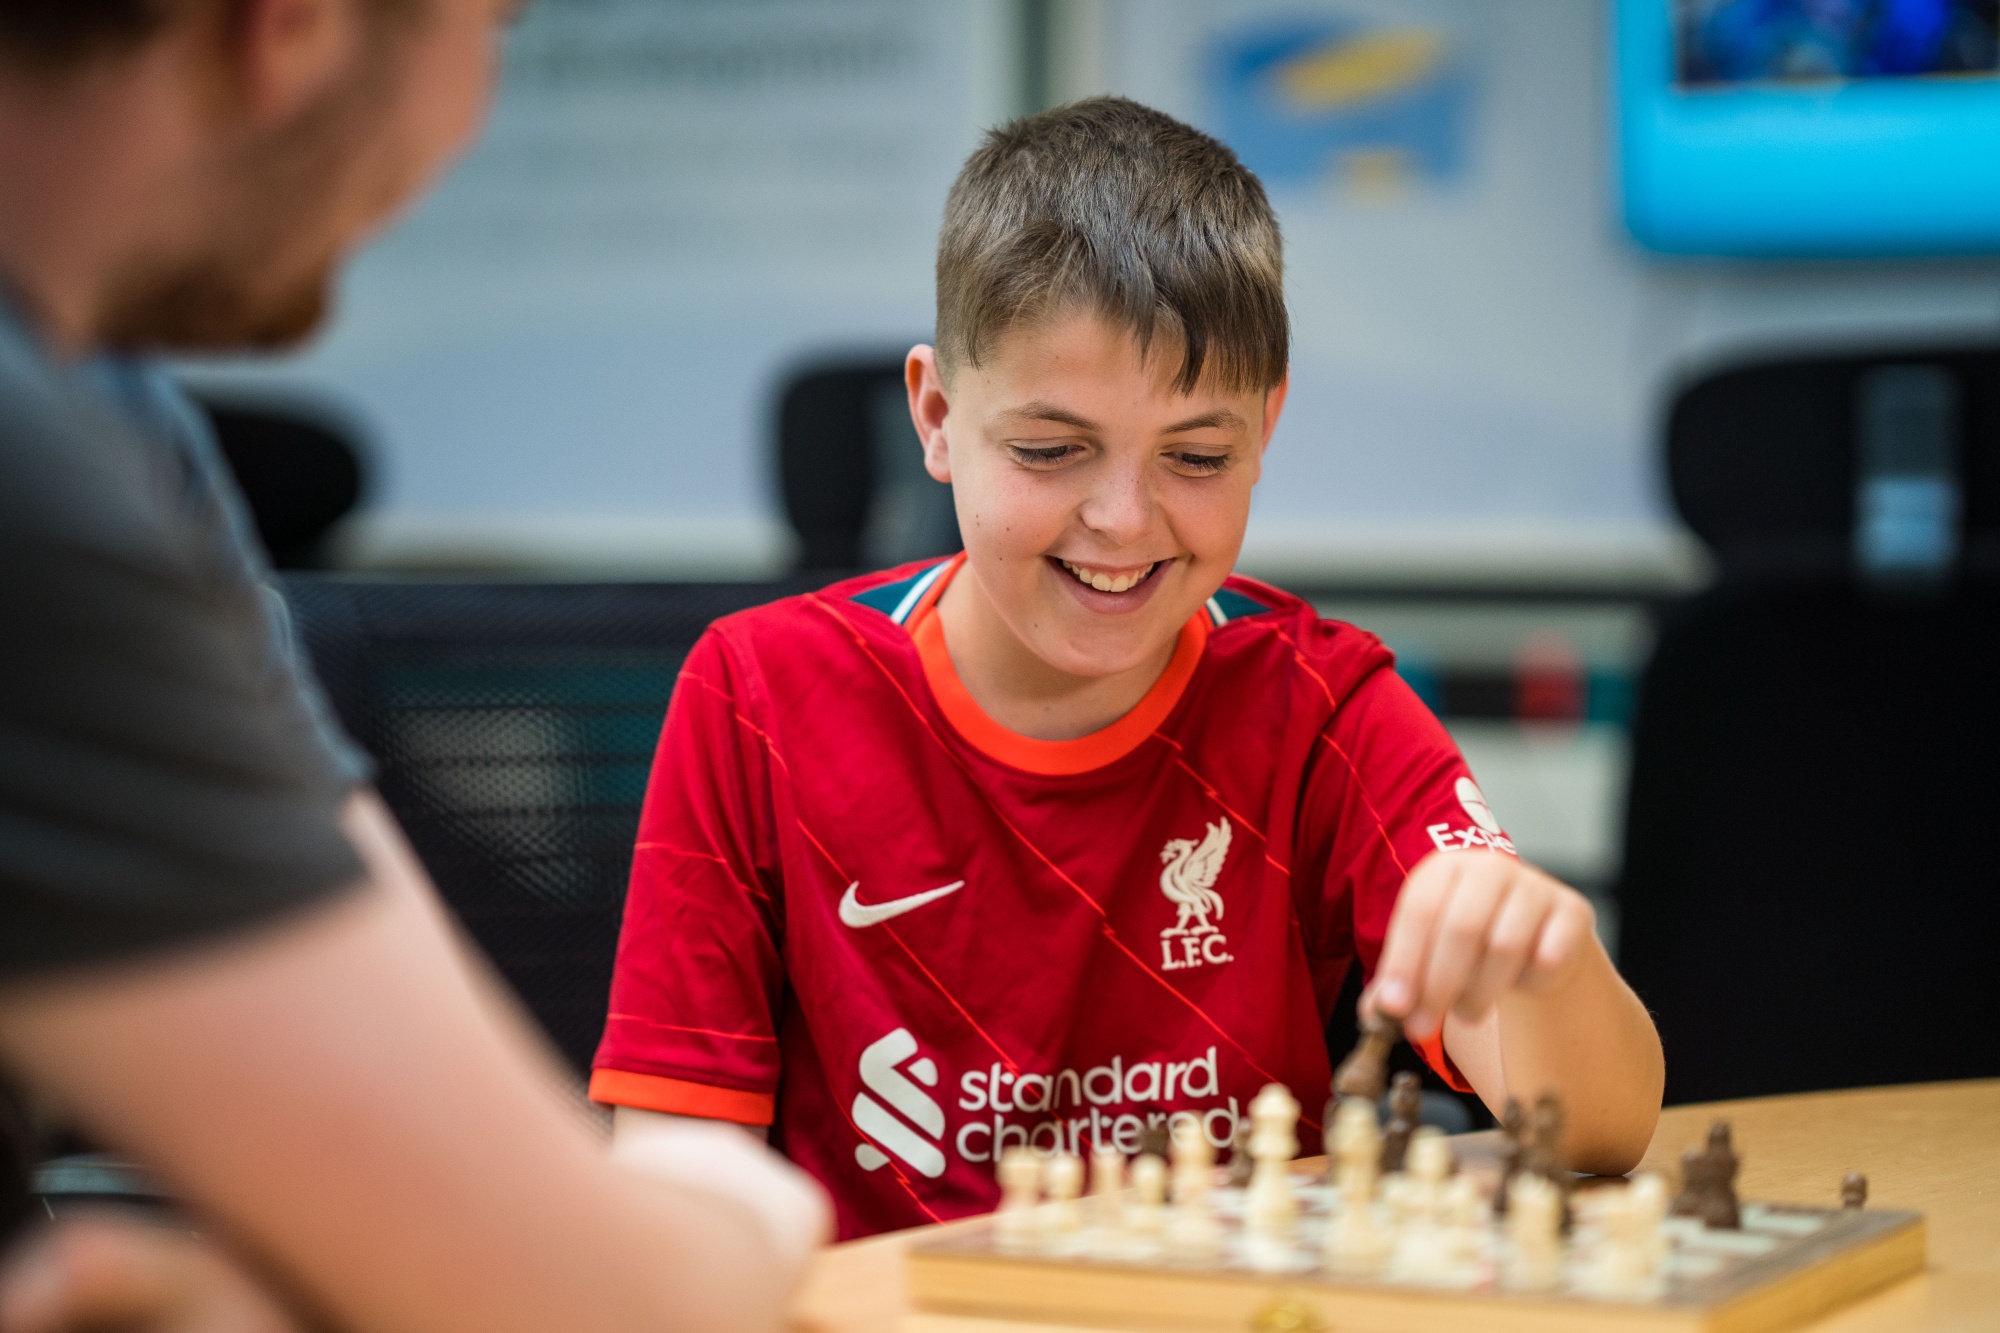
(1076,833)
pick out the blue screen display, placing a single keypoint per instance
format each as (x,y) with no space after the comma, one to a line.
(1754,41)
(1810,128)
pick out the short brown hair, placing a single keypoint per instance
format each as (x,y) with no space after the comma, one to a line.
(1111,206)
(53,34)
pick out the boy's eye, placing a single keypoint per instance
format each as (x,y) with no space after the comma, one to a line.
(1042,455)
(1201,463)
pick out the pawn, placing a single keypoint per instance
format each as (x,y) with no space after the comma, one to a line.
(1269,1206)
(1194,1235)
(1107,1188)
(1513,1149)
(1148,1215)
(1534,1235)
(1062,1178)
(1406,1104)
(1017,1225)
(1854,1190)
(1356,1244)
(1428,1165)
(1628,1261)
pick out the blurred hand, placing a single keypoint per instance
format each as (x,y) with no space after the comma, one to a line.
(1469,927)
(106,1272)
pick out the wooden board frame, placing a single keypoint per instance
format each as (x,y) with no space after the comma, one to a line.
(960,1272)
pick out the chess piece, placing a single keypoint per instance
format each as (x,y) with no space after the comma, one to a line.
(1513,1148)
(1193,1235)
(1534,1235)
(1627,1264)
(1016,1226)
(1149,1190)
(1240,1161)
(1269,1207)
(1424,1249)
(1854,1190)
(1406,1104)
(1542,1154)
(1062,1179)
(1156,1141)
(1708,1182)
(1107,1188)
(1355,1243)
(1366,1067)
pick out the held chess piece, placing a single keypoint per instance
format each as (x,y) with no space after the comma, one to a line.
(1708,1182)
(1534,1235)
(1268,1207)
(1194,1235)
(1366,1067)
(1017,1226)
(1513,1148)
(1240,1160)
(1406,1105)
(1854,1190)
(1356,1244)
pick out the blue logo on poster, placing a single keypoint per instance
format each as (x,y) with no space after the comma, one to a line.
(1377,106)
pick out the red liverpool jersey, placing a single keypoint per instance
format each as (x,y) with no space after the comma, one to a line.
(906,938)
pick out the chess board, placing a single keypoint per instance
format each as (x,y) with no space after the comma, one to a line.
(1787,1264)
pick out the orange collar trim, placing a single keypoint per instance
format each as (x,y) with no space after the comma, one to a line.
(1049,758)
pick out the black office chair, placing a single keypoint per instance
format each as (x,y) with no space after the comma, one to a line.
(1808,899)
(850,470)
(514,726)
(299,466)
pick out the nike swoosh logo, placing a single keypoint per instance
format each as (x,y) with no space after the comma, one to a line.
(855,913)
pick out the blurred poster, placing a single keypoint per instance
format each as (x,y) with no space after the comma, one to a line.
(1467,377)
(572,349)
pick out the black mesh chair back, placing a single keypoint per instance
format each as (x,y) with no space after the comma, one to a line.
(1805,901)
(850,469)
(299,466)
(514,726)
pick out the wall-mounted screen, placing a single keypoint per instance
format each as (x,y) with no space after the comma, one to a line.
(1810,127)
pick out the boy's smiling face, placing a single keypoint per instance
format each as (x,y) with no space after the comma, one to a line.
(1100,505)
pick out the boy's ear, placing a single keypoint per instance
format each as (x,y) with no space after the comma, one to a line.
(1274,407)
(928,408)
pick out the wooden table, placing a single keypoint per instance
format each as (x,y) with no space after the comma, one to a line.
(1933,1147)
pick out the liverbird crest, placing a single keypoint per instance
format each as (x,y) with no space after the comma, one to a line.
(1189,876)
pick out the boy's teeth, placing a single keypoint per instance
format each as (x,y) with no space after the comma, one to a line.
(1105,582)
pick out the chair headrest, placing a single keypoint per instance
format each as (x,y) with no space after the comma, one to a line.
(1864,463)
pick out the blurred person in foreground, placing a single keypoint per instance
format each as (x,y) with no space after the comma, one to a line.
(217,955)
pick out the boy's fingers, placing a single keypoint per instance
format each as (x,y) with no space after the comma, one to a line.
(1458,942)
(1510,949)
(1562,936)
(1399,972)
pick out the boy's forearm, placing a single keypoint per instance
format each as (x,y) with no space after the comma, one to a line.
(1592,1044)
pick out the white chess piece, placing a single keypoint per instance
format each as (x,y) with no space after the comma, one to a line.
(1107,1188)
(1149,1189)
(1355,1243)
(1628,1262)
(1464,1213)
(1062,1218)
(1423,1251)
(1269,1206)
(1534,1239)
(1017,1225)
(1194,1235)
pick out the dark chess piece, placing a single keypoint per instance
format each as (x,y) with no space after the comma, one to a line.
(1406,1105)
(1513,1148)
(1241,1163)
(1543,1153)
(1156,1141)
(1708,1182)
(1366,1069)
(1854,1190)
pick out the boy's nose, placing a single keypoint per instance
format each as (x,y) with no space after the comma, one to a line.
(1119,506)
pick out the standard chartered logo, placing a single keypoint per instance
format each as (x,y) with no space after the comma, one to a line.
(880,1075)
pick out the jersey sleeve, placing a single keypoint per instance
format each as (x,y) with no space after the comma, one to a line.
(699,977)
(1388,787)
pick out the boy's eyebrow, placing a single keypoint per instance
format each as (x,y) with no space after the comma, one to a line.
(1040,411)
(1220,419)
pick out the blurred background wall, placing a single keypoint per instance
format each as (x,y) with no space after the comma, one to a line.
(572,359)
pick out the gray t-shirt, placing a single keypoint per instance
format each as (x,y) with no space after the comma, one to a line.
(167,769)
